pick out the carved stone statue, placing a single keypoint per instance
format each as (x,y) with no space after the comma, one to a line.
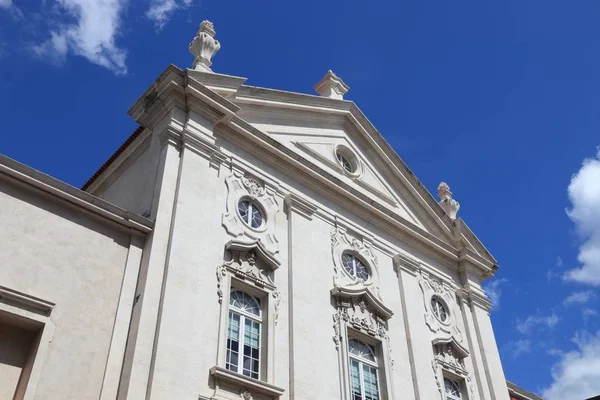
(204,47)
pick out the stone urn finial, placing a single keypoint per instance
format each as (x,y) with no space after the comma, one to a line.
(448,204)
(204,47)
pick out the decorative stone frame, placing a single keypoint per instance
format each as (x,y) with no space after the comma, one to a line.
(35,313)
(250,269)
(448,349)
(447,364)
(354,318)
(240,187)
(432,287)
(342,242)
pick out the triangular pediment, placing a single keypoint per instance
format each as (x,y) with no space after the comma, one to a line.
(318,138)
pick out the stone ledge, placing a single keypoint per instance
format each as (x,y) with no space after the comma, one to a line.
(243,382)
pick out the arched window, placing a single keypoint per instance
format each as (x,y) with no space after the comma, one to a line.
(439,309)
(355,267)
(251,213)
(452,389)
(364,380)
(243,334)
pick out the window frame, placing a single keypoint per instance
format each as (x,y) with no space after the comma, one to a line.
(252,205)
(436,310)
(229,280)
(241,334)
(381,351)
(361,364)
(356,259)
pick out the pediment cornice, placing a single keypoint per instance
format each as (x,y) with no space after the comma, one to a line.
(176,87)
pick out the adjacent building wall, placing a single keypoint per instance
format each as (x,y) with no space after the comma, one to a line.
(62,254)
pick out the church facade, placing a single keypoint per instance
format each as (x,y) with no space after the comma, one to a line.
(243,243)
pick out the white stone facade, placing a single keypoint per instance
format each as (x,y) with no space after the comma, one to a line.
(139,308)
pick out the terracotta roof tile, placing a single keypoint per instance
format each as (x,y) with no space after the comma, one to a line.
(112,158)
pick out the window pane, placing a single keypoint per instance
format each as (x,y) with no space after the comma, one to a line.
(370,378)
(355,380)
(257,218)
(243,210)
(244,302)
(233,334)
(360,349)
(251,348)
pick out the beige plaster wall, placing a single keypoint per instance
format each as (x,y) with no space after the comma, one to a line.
(60,254)
(132,186)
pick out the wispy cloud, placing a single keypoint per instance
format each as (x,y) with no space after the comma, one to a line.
(537,322)
(578,298)
(588,313)
(91,32)
(518,347)
(552,272)
(11,8)
(494,291)
(584,194)
(576,375)
(161,11)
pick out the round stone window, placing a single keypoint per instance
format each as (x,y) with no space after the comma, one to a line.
(439,309)
(347,160)
(355,267)
(251,213)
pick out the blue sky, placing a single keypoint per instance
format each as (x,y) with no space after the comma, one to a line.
(501,100)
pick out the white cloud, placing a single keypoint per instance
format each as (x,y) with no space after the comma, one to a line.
(588,313)
(550,274)
(578,298)
(92,34)
(494,291)
(518,347)
(576,375)
(584,194)
(161,11)
(537,321)
(12,9)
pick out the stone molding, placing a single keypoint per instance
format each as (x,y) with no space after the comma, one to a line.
(240,186)
(246,386)
(125,220)
(37,313)
(302,206)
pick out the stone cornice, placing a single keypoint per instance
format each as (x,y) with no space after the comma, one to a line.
(135,224)
(267,148)
(300,205)
(406,263)
(25,301)
(176,87)
(242,381)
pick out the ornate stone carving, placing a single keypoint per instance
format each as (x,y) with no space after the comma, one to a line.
(436,374)
(277,298)
(447,203)
(204,47)
(342,242)
(246,395)
(360,316)
(221,271)
(434,287)
(242,187)
(254,187)
(339,317)
(447,356)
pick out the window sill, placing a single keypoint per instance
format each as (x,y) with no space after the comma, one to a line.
(225,376)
